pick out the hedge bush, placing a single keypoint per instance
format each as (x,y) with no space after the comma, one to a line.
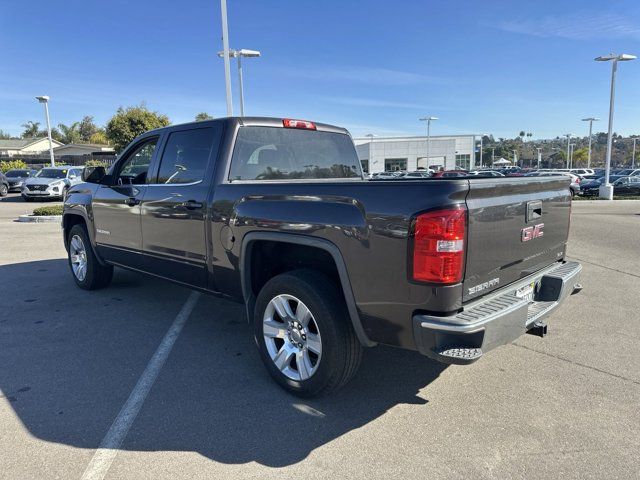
(7,165)
(96,163)
(48,210)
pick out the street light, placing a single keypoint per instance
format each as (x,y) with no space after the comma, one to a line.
(238,54)
(571,146)
(590,120)
(45,99)
(428,120)
(606,190)
(227,62)
(568,135)
(633,155)
(482,135)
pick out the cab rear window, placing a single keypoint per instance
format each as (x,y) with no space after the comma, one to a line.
(271,153)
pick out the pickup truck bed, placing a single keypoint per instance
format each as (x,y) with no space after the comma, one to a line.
(448,267)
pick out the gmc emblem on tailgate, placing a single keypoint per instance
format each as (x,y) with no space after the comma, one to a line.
(529,233)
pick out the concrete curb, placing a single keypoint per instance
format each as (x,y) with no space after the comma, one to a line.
(40,218)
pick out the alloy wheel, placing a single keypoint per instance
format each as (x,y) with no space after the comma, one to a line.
(292,337)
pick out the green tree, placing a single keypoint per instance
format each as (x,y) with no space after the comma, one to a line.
(70,133)
(32,130)
(203,116)
(86,128)
(130,122)
(4,135)
(99,137)
(580,156)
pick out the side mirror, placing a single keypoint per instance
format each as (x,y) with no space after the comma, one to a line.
(93,174)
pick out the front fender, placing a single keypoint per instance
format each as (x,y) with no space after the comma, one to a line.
(79,203)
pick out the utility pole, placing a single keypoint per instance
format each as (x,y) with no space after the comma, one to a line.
(45,99)
(568,135)
(428,120)
(539,156)
(227,62)
(606,190)
(590,120)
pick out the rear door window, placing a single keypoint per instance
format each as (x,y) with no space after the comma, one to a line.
(272,153)
(186,156)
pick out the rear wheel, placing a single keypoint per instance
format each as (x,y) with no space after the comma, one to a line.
(304,334)
(4,190)
(87,272)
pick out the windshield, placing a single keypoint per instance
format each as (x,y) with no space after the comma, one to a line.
(17,173)
(51,173)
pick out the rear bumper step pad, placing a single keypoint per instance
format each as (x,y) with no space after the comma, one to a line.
(496,320)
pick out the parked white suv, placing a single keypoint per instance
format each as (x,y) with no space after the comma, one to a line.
(51,182)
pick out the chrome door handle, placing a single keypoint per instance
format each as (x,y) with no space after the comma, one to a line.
(192,205)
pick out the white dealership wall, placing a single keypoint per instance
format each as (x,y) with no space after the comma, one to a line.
(443,151)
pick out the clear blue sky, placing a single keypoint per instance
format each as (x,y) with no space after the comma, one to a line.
(373,66)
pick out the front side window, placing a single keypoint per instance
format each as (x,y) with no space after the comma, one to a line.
(186,156)
(135,167)
(273,153)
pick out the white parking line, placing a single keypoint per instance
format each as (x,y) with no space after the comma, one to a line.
(108,449)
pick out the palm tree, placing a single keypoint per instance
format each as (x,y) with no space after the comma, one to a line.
(31,129)
(71,133)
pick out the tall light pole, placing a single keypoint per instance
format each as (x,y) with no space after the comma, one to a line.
(606,190)
(568,135)
(238,54)
(571,147)
(539,156)
(428,120)
(45,99)
(225,52)
(493,155)
(481,141)
(590,120)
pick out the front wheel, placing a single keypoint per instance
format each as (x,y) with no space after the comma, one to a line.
(4,190)
(87,272)
(304,333)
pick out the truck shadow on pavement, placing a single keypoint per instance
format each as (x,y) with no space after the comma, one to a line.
(70,359)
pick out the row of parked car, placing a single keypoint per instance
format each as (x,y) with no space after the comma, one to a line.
(48,182)
(584,181)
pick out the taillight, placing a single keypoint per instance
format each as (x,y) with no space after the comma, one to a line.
(289,123)
(438,246)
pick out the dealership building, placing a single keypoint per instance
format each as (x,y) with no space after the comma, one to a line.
(385,154)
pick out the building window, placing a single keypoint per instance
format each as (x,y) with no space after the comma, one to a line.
(463,161)
(395,164)
(365,165)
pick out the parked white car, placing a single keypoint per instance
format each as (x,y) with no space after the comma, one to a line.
(51,182)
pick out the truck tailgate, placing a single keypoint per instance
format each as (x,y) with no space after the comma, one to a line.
(516,227)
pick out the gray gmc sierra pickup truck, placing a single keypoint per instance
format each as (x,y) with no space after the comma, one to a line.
(277,214)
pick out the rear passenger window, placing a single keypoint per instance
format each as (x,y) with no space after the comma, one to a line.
(272,153)
(186,156)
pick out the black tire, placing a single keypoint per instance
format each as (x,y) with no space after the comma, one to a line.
(341,350)
(97,275)
(4,190)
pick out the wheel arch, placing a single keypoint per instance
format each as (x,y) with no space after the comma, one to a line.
(73,217)
(247,257)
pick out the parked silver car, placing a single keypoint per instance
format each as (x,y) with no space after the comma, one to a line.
(51,182)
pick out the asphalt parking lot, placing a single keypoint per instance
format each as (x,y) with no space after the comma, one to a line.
(561,407)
